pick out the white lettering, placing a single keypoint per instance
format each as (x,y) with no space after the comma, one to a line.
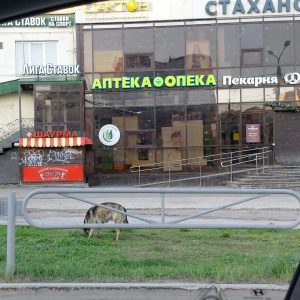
(226,80)
(235,81)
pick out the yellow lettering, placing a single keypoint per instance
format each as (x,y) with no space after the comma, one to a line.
(134,82)
(100,7)
(191,80)
(125,83)
(96,84)
(200,80)
(107,83)
(158,81)
(211,80)
(122,3)
(89,8)
(181,80)
(144,5)
(170,81)
(110,6)
(117,82)
(146,82)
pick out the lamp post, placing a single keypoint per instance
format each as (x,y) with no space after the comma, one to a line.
(278,71)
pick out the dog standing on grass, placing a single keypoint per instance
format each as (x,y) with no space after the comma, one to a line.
(98,214)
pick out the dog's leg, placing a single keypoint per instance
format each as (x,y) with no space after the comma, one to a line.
(99,233)
(91,232)
(118,234)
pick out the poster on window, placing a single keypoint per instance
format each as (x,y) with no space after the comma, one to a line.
(109,61)
(198,55)
(252,133)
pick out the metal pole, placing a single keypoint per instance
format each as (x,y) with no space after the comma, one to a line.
(11,234)
(162,201)
(231,178)
(20,110)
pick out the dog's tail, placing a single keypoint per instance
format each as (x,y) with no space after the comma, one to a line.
(86,218)
(125,217)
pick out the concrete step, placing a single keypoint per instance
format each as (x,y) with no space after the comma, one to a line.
(277,177)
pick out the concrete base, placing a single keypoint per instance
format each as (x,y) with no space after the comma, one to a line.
(138,291)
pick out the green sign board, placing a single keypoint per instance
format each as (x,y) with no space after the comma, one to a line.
(43,21)
(156,82)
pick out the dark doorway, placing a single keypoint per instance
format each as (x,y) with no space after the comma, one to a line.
(287,137)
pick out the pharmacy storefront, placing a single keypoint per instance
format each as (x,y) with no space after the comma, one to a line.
(187,79)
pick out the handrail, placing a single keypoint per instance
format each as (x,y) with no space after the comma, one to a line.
(230,159)
(14,126)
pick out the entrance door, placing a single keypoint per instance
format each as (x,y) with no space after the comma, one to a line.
(287,137)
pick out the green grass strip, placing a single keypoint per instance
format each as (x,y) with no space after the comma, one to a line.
(154,255)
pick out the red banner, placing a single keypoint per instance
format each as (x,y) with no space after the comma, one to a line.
(53,173)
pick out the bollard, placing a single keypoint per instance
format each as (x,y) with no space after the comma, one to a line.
(11,234)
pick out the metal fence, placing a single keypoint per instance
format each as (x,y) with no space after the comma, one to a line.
(247,195)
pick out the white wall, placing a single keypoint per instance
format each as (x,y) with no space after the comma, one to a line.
(66,55)
(9,107)
(66,38)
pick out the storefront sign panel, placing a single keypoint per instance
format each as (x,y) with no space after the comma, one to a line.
(50,69)
(156,82)
(52,173)
(43,21)
(252,133)
(151,10)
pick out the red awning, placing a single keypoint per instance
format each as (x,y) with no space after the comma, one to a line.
(54,142)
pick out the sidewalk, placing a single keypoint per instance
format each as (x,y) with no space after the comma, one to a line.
(53,207)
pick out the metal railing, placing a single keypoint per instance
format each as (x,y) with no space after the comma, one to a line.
(14,127)
(177,222)
(246,158)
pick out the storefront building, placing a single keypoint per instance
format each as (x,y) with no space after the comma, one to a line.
(187,79)
(42,136)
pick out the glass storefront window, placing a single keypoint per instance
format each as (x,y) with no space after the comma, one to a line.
(142,106)
(58,110)
(251,45)
(253,94)
(252,125)
(108,51)
(229,119)
(297,43)
(164,124)
(169,48)
(278,40)
(138,41)
(229,95)
(88,51)
(201,48)
(228,45)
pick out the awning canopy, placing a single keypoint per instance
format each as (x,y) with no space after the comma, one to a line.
(54,142)
(9,87)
